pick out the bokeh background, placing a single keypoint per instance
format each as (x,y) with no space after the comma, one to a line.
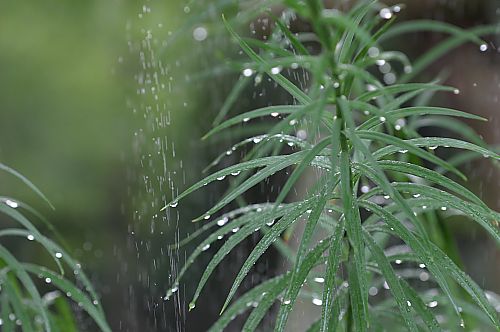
(103,104)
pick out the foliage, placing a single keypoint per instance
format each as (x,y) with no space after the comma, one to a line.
(380,186)
(21,301)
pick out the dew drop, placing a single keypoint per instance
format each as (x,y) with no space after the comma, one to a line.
(205,247)
(385,13)
(200,34)
(12,203)
(247,72)
(192,305)
(373,52)
(365,189)
(58,255)
(223,221)
(319,280)
(483,47)
(275,70)
(30,237)
(274,114)
(382,119)
(48,280)
(432,304)
(424,276)
(373,291)
(316,301)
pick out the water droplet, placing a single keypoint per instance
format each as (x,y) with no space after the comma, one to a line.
(319,280)
(483,47)
(235,173)
(301,134)
(382,119)
(432,304)
(220,178)
(48,280)
(30,237)
(416,195)
(286,302)
(12,203)
(456,91)
(387,196)
(200,34)
(386,285)
(223,221)
(373,291)
(444,208)
(275,70)
(247,72)
(385,13)
(174,204)
(424,276)
(422,265)
(403,151)
(206,217)
(365,189)
(390,78)
(373,52)
(58,255)
(398,261)
(192,305)
(205,247)
(408,303)
(234,230)
(187,9)
(246,119)
(316,301)
(274,114)
(434,147)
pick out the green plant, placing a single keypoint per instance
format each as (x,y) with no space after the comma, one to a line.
(377,180)
(21,304)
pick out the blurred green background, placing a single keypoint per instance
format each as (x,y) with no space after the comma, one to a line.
(71,120)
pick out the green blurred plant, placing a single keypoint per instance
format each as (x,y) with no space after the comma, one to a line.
(377,180)
(22,305)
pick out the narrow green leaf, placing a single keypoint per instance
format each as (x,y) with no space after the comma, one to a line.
(334,253)
(27,182)
(404,305)
(407,145)
(265,242)
(280,79)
